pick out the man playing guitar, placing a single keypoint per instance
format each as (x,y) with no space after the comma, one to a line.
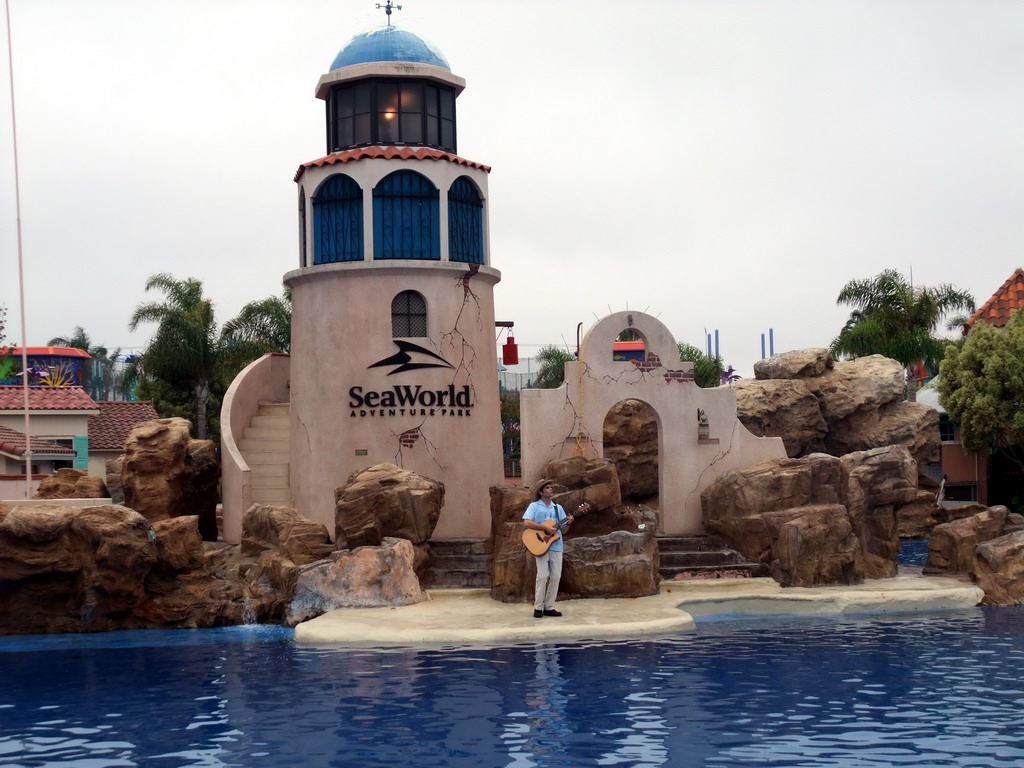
(548,518)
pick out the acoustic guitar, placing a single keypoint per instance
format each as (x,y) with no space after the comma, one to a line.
(539,542)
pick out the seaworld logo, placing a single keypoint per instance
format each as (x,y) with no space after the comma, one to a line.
(405,361)
(414,399)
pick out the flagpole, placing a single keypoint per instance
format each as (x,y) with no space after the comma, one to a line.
(21,261)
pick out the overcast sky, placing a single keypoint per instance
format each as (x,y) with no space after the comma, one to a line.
(720,164)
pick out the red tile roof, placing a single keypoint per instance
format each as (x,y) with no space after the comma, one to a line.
(1004,302)
(109,429)
(12,442)
(406,153)
(51,352)
(45,398)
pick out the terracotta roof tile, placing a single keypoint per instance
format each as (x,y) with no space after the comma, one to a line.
(388,153)
(45,398)
(12,442)
(50,352)
(1004,302)
(109,429)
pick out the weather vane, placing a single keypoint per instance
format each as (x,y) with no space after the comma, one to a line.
(388,7)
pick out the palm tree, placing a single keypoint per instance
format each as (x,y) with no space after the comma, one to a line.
(892,317)
(707,369)
(261,326)
(185,348)
(551,372)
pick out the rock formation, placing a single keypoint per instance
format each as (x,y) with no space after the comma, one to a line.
(952,546)
(998,568)
(365,577)
(817,519)
(70,483)
(91,569)
(881,480)
(988,546)
(817,405)
(386,501)
(630,438)
(609,552)
(166,474)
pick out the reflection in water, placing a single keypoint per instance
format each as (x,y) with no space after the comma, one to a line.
(915,690)
(540,731)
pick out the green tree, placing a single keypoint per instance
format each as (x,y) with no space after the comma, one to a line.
(894,318)
(185,349)
(551,368)
(707,370)
(260,327)
(981,386)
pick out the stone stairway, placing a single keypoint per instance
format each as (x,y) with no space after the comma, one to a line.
(702,552)
(458,563)
(265,448)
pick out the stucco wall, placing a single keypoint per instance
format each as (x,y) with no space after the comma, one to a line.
(569,420)
(341,327)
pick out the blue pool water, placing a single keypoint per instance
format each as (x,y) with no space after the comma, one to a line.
(940,689)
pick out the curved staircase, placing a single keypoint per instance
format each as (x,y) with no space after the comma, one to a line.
(264,445)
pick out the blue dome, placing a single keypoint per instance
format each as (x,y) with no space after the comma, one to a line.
(388,44)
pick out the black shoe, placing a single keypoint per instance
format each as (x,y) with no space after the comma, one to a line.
(551,612)
(538,614)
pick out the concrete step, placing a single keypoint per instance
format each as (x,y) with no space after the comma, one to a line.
(459,563)
(693,542)
(702,553)
(275,409)
(247,446)
(279,498)
(749,570)
(270,481)
(710,558)
(267,433)
(270,470)
(276,422)
(456,579)
(254,458)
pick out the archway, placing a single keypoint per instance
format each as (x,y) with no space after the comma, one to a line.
(630,437)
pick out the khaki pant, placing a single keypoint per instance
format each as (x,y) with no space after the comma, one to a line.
(549,573)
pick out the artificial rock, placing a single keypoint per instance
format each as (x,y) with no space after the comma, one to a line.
(67,483)
(365,577)
(386,501)
(952,546)
(998,568)
(166,474)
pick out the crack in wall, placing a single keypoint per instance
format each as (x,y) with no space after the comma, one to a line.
(577,432)
(718,457)
(408,439)
(455,339)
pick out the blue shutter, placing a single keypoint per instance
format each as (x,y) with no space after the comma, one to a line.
(465,223)
(81,445)
(338,221)
(406,218)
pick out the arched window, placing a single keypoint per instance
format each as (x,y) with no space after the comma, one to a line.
(338,221)
(465,222)
(408,315)
(405,218)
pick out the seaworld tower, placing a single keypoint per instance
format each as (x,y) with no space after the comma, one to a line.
(393,345)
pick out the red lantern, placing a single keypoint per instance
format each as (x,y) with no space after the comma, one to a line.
(510,352)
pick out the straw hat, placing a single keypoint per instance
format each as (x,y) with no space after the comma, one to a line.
(540,487)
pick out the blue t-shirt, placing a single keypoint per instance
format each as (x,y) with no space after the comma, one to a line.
(539,512)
